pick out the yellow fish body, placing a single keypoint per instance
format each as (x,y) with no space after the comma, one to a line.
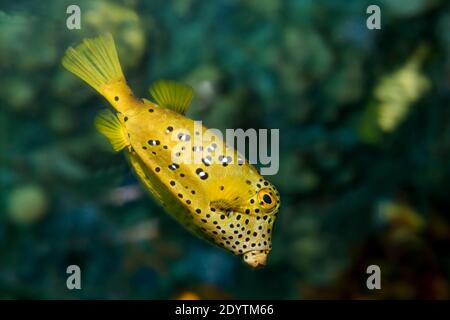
(201,182)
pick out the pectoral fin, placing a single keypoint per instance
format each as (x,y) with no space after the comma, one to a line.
(109,125)
(228,202)
(228,194)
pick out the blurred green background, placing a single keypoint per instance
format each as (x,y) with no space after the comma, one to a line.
(364,125)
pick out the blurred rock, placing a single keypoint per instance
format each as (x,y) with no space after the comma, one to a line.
(18,93)
(27,204)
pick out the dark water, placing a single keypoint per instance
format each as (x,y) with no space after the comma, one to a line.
(364,125)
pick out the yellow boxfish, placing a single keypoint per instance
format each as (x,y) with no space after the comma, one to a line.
(199,180)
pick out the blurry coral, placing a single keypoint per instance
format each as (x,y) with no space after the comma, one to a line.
(396,92)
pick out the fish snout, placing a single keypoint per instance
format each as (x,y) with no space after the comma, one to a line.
(256,258)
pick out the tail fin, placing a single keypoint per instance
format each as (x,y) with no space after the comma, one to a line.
(95,61)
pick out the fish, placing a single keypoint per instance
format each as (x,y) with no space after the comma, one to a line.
(220,197)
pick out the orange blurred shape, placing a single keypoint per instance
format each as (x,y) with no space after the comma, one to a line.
(187,295)
(203,292)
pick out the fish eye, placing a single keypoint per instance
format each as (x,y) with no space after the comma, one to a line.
(266,199)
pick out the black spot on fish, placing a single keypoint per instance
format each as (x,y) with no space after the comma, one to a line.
(202,174)
(150,110)
(205,176)
(184,137)
(153,142)
(173,166)
(116,98)
(212,147)
(225,160)
(207,161)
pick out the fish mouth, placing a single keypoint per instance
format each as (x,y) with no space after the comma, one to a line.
(256,258)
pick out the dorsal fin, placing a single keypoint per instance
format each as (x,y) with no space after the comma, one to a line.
(172,95)
(109,125)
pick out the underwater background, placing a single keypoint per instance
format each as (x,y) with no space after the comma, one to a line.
(364,125)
